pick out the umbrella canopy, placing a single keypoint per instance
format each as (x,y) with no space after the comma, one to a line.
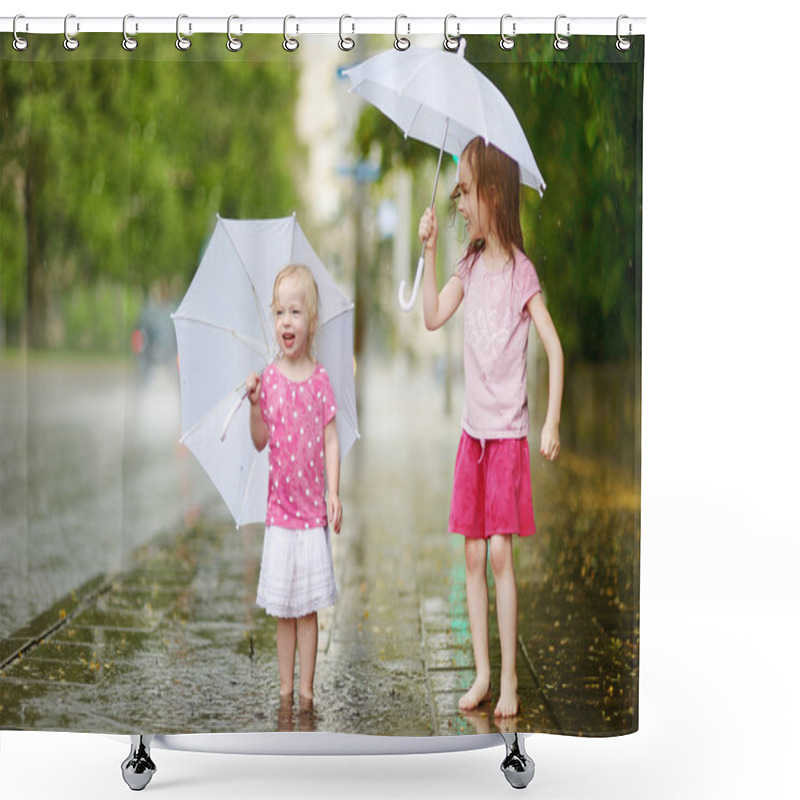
(441,99)
(424,90)
(225,331)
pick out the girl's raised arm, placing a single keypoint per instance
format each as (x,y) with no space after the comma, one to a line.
(437,306)
(550,445)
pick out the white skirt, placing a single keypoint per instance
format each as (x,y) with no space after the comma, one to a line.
(296,572)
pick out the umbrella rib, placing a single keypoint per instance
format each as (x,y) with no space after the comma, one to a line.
(251,344)
(339,313)
(259,310)
(422,63)
(209,413)
(414,119)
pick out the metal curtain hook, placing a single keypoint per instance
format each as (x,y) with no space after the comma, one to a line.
(128,42)
(233,44)
(70,42)
(19,42)
(561,43)
(622,43)
(451,42)
(401,42)
(507,43)
(345,42)
(290,44)
(182,43)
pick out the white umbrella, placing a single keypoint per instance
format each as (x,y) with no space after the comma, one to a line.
(440,98)
(225,330)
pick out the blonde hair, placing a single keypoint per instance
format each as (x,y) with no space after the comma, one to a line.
(309,286)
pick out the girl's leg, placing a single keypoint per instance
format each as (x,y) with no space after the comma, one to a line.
(307,633)
(478,607)
(287,642)
(501,556)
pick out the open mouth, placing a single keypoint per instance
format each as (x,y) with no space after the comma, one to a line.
(288,340)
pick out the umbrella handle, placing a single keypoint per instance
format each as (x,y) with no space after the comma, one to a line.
(407,305)
(225,425)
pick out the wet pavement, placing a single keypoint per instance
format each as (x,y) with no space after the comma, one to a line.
(91,470)
(172,642)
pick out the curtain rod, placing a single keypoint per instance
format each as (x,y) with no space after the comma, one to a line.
(74,25)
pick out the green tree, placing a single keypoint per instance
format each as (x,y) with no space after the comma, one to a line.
(113,164)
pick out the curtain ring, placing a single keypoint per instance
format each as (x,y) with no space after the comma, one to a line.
(289,44)
(233,44)
(128,42)
(561,43)
(622,43)
(19,42)
(182,43)
(345,42)
(70,42)
(451,42)
(401,42)
(507,43)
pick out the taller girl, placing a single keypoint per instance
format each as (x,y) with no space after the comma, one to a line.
(492,498)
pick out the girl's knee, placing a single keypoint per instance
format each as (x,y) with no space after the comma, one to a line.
(501,555)
(475,555)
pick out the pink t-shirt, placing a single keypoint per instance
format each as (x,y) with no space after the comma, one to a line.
(296,414)
(496,325)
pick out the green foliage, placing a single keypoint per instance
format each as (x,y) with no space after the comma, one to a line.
(114,164)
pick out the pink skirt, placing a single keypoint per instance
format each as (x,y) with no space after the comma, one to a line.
(492,488)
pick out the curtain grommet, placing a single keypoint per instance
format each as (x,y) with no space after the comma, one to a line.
(345,42)
(129,43)
(451,42)
(289,44)
(233,44)
(561,43)
(70,42)
(507,42)
(401,42)
(20,43)
(182,43)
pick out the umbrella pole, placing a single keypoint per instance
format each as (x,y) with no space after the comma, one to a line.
(407,305)
(231,414)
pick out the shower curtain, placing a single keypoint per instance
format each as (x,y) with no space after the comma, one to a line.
(127,593)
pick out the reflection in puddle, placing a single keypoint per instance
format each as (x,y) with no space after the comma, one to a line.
(301,717)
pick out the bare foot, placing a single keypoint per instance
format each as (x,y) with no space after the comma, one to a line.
(508,704)
(480,692)
(285,721)
(306,698)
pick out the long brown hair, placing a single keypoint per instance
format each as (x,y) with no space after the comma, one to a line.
(495,178)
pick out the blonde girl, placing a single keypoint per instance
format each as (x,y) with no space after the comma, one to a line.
(293,409)
(491,500)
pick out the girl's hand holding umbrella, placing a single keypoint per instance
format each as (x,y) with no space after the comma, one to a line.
(252,385)
(428,230)
(258,429)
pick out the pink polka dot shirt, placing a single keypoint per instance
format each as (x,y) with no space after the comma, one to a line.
(296,414)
